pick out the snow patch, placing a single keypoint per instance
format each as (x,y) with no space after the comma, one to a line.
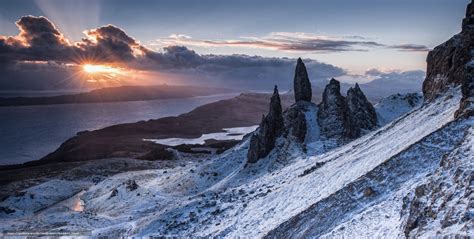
(236,133)
(394,106)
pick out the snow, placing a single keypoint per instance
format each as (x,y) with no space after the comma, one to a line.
(236,133)
(387,215)
(394,106)
(440,79)
(312,131)
(381,219)
(42,196)
(224,197)
(448,193)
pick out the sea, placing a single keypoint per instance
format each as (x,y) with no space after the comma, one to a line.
(30,132)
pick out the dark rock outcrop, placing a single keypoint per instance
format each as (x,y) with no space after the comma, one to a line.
(332,113)
(466,107)
(451,64)
(271,127)
(301,83)
(361,113)
(295,120)
(445,198)
(345,117)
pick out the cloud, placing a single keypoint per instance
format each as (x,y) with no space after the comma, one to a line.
(411,47)
(40,40)
(284,41)
(39,32)
(110,44)
(378,84)
(292,42)
(42,55)
(237,71)
(384,83)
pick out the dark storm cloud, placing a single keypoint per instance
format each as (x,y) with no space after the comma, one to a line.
(39,31)
(238,71)
(109,43)
(179,57)
(39,40)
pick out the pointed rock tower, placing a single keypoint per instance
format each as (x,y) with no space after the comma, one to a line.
(271,127)
(362,115)
(332,113)
(342,117)
(301,83)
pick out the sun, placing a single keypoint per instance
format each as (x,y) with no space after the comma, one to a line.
(93,69)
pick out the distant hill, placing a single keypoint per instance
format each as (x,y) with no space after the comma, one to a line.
(117,94)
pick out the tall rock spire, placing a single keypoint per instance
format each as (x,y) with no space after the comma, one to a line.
(271,127)
(345,117)
(332,113)
(301,83)
(362,115)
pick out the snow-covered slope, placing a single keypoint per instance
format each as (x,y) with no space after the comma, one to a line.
(288,193)
(394,106)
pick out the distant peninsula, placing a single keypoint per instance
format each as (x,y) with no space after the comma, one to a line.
(118,94)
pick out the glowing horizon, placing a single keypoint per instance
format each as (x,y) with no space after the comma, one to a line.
(92,69)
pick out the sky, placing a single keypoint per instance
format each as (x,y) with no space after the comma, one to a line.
(336,37)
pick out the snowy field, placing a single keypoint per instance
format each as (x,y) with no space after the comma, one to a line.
(289,193)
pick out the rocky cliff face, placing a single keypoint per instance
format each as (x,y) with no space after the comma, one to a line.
(338,117)
(295,121)
(301,83)
(444,203)
(345,117)
(442,206)
(290,124)
(451,64)
(361,113)
(271,127)
(332,113)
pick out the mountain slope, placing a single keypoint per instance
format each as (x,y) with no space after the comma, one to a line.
(223,197)
(412,177)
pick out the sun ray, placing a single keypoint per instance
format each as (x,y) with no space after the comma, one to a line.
(92,69)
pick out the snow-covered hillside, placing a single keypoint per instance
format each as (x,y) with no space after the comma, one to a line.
(312,171)
(287,193)
(394,106)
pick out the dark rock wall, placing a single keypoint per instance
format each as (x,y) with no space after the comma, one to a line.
(451,64)
(332,113)
(362,115)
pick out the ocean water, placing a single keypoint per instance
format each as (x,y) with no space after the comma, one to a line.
(31,132)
